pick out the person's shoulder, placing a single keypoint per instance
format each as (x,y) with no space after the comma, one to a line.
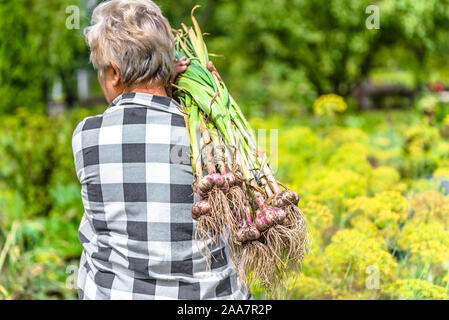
(88,123)
(84,127)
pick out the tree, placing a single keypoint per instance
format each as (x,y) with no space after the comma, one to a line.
(294,50)
(35,49)
(278,54)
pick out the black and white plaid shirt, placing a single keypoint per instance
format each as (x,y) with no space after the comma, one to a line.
(137,231)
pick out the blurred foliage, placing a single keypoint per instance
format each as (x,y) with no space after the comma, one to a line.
(370,187)
(371,191)
(370,182)
(40,204)
(329,104)
(36,49)
(35,160)
(278,55)
(283,51)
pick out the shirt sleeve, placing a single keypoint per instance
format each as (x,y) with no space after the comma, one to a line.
(77,148)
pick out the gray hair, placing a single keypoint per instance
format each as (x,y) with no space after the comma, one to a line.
(136,36)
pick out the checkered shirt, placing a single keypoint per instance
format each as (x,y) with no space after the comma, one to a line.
(137,232)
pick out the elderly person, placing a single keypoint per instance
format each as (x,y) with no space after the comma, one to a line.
(137,231)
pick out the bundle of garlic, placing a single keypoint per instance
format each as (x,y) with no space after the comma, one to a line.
(239,195)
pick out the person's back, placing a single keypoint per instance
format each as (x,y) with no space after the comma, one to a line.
(137,231)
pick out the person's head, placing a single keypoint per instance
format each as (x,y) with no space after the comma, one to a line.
(131,45)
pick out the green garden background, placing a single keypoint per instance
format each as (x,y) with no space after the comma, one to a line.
(362,113)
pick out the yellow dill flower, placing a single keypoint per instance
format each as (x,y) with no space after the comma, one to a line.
(329,104)
(446,278)
(446,121)
(385,156)
(428,103)
(416,289)
(385,178)
(353,156)
(419,138)
(319,218)
(421,185)
(425,242)
(351,252)
(431,206)
(442,173)
(332,186)
(314,263)
(48,258)
(382,142)
(357,206)
(394,202)
(304,287)
(386,210)
(364,225)
(266,123)
(336,136)
(441,150)
(298,154)
(318,215)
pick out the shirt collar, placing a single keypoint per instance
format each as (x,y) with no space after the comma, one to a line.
(141,98)
(155,102)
